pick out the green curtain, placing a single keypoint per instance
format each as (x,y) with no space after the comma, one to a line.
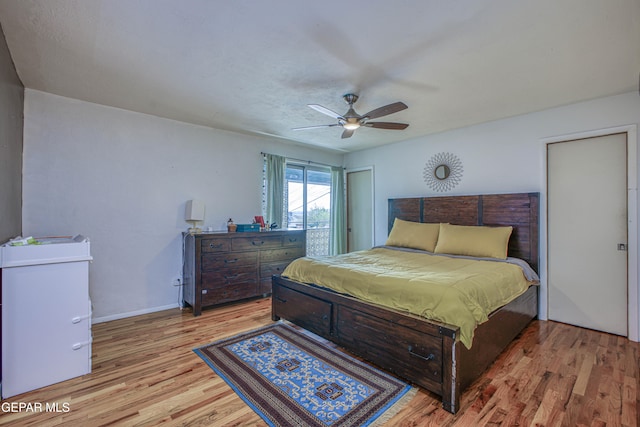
(338,238)
(275,172)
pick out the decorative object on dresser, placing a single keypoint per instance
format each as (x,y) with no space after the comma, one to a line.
(243,228)
(259,219)
(224,267)
(194,212)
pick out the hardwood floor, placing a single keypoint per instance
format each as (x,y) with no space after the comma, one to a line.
(145,374)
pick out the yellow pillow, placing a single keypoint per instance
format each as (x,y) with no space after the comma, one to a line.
(416,235)
(478,241)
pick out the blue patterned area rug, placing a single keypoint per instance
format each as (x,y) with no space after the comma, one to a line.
(291,379)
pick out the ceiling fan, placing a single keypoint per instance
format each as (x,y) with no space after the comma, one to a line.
(351,120)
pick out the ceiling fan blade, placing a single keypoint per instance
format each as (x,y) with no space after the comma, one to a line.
(316,127)
(386,110)
(347,133)
(325,110)
(386,125)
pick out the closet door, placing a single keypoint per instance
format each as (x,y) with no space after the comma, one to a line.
(359,210)
(587,232)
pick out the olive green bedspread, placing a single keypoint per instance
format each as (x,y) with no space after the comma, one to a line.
(453,290)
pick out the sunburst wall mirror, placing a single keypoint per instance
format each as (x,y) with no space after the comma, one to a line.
(443,172)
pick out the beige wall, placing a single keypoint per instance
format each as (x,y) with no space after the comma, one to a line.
(11,124)
(123,178)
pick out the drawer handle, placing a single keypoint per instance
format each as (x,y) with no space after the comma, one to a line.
(256,243)
(230,261)
(280,299)
(79,319)
(215,246)
(428,358)
(292,240)
(232,276)
(79,345)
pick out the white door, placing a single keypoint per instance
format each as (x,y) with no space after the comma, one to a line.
(587,232)
(359,210)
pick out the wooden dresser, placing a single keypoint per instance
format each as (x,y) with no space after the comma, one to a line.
(223,267)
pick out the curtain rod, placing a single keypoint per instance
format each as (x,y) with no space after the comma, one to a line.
(305,161)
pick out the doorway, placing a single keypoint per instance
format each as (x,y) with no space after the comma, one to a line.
(587,246)
(360,209)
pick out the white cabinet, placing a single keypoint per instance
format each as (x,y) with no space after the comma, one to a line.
(46,313)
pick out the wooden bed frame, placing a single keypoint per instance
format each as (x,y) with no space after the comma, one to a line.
(426,353)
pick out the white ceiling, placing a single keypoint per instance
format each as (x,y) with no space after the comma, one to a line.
(252,66)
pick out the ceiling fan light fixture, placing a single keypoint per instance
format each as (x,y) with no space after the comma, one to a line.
(351,121)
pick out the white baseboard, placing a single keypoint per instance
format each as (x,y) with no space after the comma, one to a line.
(132,313)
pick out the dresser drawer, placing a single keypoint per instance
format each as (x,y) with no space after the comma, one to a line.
(282,254)
(294,238)
(268,269)
(256,242)
(264,286)
(222,267)
(215,245)
(228,293)
(212,261)
(226,276)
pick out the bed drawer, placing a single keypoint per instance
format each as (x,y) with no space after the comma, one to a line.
(312,314)
(401,350)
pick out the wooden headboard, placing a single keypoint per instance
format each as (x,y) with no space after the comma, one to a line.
(520,210)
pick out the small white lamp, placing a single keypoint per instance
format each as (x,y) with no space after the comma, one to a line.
(193,213)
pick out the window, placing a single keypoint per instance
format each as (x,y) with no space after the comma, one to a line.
(307,204)
(306,196)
